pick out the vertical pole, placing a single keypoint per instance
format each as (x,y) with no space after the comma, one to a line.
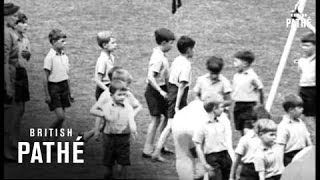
(300,7)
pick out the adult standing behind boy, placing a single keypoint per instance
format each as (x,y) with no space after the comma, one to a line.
(56,78)
(178,86)
(247,89)
(22,84)
(11,54)
(156,90)
(292,134)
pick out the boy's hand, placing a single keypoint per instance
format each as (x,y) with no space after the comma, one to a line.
(48,99)
(176,109)
(164,94)
(71,99)
(96,135)
(26,54)
(208,167)
(134,135)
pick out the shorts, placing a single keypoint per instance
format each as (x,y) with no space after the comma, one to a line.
(21,85)
(221,162)
(308,95)
(172,98)
(59,94)
(157,105)
(248,172)
(275,177)
(99,91)
(287,157)
(240,114)
(116,148)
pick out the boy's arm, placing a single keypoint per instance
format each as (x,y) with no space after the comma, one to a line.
(234,166)
(96,110)
(45,85)
(132,126)
(99,83)
(261,175)
(229,138)
(133,101)
(7,47)
(181,88)
(70,96)
(227,99)
(261,96)
(197,89)
(201,156)
(152,81)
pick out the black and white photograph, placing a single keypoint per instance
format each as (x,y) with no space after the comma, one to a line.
(159,89)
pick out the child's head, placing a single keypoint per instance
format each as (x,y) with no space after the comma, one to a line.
(293,105)
(214,66)
(164,38)
(213,103)
(119,73)
(243,59)
(266,129)
(57,39)
(107,41)
(21,23)
(185,46)
(118,91)
(259,112)
(308,44)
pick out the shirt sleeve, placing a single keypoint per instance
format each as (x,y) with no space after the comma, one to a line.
(197,87)
(156,65)
(259,161)
(198,136)
(241,147)
(257,83)
(101,67)
(48,62)
(227,88)
(185,74)
(282,135)
(133,101)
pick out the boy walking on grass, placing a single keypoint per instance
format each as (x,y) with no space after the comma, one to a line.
(156,91)
(247,89)
(56,79)
(178,86)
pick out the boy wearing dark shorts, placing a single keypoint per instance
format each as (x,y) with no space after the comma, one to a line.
(56,80)
(247,89)
(156,91)
(178,86)
(119,119)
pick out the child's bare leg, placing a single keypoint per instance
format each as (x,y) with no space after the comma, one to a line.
(152,129)
(162,139)
(57,124)
(122,172)
(108,172)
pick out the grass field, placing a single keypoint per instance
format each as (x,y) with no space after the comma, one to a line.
(220,27)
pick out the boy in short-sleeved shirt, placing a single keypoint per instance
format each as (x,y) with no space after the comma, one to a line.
(211,142)
(56,84)
(178,86)
(156,90)
(267,160)
(247,88)
(292,134)
(105,62)
(119,119)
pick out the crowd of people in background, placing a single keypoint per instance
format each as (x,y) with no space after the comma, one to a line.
(263,151)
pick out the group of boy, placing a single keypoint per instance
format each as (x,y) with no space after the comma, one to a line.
(167,92)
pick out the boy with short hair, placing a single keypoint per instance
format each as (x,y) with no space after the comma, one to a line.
(56,79)
(247,88)
(119,118)
(307,67)
(292,135)
(267,160)
(116,73)
(178,87)
(214,81)
(248,144)
(211,141)
(156,90)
